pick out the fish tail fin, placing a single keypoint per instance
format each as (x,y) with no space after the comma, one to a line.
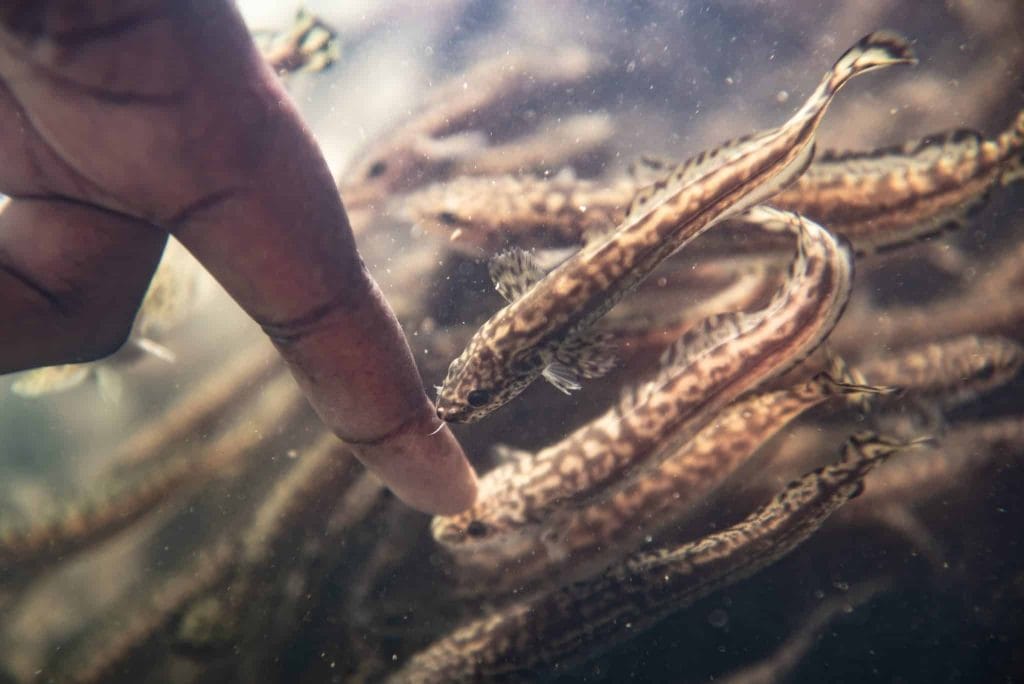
(839,378)
(864,449)
(874,51)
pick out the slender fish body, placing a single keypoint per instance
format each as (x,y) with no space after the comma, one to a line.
(547,327)
(890,197)
(952,371)
(704,371)
(577,543)
(576,622)
(878,199)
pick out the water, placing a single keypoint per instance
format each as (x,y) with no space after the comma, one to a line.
(908,583)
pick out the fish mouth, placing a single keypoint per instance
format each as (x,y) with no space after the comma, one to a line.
(451,414)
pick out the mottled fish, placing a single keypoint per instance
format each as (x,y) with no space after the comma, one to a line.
(547,327)
(573,623)
(705,370)
(576,542)
(878,199)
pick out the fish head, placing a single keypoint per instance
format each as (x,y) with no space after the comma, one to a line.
(996,361)
(497,512)
(455,211)
(460,530)
(482,380)
(382,171)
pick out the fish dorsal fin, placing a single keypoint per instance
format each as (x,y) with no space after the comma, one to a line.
(698,340)
(649,169)
(925,151)
(550,259)
(839,378)
(706,335)
(673,178)
(587,355)
(514,272)
(643,198)
(506,453)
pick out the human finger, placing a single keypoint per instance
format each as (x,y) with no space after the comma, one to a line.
(280,243)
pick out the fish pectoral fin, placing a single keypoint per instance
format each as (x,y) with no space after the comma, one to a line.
(153,348)
(514,272)
(589,355)
(565,379)
(506,453)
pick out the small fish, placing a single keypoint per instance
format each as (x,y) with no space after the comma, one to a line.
(953,371)
(454,124)
(573,543)
(578,621)
(309,45)
(548,328)
(481,215)
(552,145)
(878,199)
(779,666)
(704,371)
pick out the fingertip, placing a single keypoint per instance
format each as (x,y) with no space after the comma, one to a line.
(428,473)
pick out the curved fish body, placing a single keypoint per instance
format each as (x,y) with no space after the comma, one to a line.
(704,371)
(546,329)
(578,621)
(576,543)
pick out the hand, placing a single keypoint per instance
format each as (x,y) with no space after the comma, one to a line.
(123,122)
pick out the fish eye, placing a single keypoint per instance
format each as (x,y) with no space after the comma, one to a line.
(447,218)
(478,398)
(476,529)
(377,169)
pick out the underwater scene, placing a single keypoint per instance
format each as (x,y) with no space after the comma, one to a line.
(723,301)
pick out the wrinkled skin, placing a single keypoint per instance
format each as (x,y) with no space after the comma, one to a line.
(123,122)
